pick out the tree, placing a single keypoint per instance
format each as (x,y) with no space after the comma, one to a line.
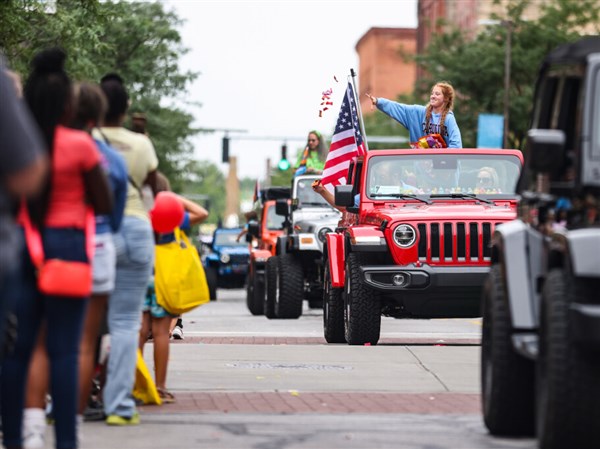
(207,179)
(138,40)
(475,67)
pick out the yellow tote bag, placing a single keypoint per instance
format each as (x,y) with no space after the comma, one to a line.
(179,279)
(144,388)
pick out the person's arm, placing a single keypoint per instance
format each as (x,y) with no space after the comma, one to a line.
(151,181)
(402,113)
(326,194)
(197,213)
(454,137)
(98,190)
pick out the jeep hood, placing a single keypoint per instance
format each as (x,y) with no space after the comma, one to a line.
(316,214)
(243,250)
(437,211)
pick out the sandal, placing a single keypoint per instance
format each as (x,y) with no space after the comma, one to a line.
(166,396)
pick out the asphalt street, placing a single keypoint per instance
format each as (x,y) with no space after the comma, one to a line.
(244,381)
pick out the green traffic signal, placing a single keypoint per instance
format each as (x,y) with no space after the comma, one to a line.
(283,165)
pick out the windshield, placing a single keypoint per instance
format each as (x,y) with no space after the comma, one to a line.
(307,196)
(274,221)
(228,239)
(427,174)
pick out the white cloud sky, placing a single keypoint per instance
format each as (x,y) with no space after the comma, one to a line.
(265,64)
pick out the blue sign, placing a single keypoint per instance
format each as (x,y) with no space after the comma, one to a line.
(490,130)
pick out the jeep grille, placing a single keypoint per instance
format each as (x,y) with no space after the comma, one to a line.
(472,242)
(238,258)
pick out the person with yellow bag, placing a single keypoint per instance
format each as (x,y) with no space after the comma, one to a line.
(156,319)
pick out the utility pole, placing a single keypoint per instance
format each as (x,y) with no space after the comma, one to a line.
(507,59)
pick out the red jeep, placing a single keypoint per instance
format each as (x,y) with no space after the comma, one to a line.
(419,243)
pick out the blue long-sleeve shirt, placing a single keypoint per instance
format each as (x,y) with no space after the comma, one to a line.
(412,117)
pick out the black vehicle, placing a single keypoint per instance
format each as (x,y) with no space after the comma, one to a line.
(540,366)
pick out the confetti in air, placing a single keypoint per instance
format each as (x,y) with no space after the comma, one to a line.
(326,99)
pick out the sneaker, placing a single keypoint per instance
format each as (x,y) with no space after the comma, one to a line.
(34,428)
(116,420)
(177,333)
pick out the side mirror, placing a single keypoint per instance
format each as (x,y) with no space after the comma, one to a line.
(343,196)
(546,150)
(282,208)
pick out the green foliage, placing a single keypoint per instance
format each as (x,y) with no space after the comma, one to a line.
(476,67)
(138,40)
(206,179)
(282,178)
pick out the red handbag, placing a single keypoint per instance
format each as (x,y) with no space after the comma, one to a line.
(59,277)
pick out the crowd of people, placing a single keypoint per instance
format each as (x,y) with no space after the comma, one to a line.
(71,190)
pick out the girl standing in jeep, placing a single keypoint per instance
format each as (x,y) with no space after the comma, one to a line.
(435,118)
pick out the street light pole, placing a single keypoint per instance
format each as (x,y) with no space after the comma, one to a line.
(507,59)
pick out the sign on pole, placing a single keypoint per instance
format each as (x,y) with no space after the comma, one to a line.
(490,128)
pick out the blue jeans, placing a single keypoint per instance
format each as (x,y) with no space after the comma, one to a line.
(64,320)
(134,244)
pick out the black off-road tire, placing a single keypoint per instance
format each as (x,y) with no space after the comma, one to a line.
(288,302)
(507,378)
(271,286)
(362,306)
(211,280)
(255,292)
(333,311)
(568,374)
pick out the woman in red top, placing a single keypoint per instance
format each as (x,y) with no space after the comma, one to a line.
(76,179)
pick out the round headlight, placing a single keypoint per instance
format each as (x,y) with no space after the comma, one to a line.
(225,258)
(322,235)
(405,235)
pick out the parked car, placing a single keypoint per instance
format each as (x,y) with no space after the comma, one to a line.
(540,346)
(226,262)
(262,236)
(419,245)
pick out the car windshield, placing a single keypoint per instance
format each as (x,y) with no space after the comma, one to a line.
(274,221)
(435,174)
(307,196)
(228,239)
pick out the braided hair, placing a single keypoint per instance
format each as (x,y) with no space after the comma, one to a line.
(48,94)
(448,92)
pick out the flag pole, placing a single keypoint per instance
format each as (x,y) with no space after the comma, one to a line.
(360,116)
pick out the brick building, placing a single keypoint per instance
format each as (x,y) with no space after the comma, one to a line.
(384,70)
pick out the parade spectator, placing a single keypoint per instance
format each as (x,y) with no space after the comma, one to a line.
(250,216)
(134,244)
(156,319)
(90,108)
(138,123)
(435,118)
(312,159)
(59,212)
(23,165)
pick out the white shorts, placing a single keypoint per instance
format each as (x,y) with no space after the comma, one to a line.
(104,264)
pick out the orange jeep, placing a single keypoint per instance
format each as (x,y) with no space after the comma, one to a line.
(262,237)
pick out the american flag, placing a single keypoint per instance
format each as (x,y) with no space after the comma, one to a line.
(346,143)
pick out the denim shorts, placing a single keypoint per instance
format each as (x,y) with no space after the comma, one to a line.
(151,306)
(104,264)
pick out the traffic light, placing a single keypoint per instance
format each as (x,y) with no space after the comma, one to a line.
(283,164)
(225,149)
